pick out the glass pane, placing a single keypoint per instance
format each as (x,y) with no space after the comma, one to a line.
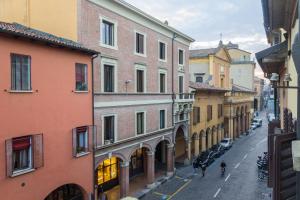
(114,172)
(106,162)
(106,173)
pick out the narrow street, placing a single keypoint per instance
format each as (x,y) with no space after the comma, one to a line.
(239,183)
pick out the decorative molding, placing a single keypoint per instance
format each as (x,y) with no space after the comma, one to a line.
(109,104)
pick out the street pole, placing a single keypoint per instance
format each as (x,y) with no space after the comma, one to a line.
(298,136)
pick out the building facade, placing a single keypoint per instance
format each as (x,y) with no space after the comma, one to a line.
(46,119)
(259,96)
(241,66)
(207,119)
(279,64)
(141,92)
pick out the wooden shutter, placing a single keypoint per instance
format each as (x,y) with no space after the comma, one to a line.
(38,151)
(91,133)
(198,114)
(9,152)
(194,115)
(74,142)
(207,118)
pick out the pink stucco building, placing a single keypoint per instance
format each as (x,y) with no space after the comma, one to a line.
(46,116)
(142,100)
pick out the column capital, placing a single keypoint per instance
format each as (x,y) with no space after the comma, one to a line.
(169,146)
(150,153)
(124,164)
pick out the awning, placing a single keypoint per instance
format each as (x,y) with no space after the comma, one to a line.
(272,59)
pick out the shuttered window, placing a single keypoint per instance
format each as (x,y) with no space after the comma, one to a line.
(83,140)
(162,83)
(180,57)
(20,72)
(140,80)
(140,126)
(108,78)
(140,42)
(209,112)
(220,110)
(108,33)
(23,154)
(196,115)
(162,119)
(162,51)
(81,77)
(109,128)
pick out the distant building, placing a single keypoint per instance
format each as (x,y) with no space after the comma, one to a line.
(259,96)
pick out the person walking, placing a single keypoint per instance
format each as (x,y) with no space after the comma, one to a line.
(195,166)
(203,168)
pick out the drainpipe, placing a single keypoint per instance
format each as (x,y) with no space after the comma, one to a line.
(94,134)
(173,92)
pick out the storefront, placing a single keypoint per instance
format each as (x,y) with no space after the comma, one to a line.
(137,162)
(108,173)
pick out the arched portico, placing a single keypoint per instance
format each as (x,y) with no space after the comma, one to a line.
(182,146)
(68,191)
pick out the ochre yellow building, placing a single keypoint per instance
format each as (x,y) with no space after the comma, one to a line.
(207,120)
(58,17)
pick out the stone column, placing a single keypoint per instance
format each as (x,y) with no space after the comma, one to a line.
(150,169)
(238,127)
(187,152)
(219,135)
(203,140)
(196,139)
(124,179)
(215,137)
(170,159)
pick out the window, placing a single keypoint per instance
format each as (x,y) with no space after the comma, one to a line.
(108,33)
(109,129)
(108,78)
(162,119)
(82,139)
(220,110)
(180,57)
(23,154)
(20,72)
(162,51)
(108,170)
(209,112)
(81,77)
(162,82)
(140,43)
(199,79)
(196,115)
(139,80)
(140,120)
(180,82)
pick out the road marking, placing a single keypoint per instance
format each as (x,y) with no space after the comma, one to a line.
(252,149)
(245,156)
(160,194)
(237,165)
(179,189)
(265,139)
(217,193)
(227,177)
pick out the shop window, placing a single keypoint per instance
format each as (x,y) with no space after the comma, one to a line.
(136,163)
(107,170)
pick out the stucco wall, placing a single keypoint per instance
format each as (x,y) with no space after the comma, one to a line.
(51,109)
(242,74)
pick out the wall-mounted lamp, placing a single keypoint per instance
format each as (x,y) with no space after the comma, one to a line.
(286,81)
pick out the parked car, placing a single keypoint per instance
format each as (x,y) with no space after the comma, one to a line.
(253,126)
(258,121)
(226,143)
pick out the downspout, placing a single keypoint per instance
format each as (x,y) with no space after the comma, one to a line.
(94,186)
(298,104)
(173,92)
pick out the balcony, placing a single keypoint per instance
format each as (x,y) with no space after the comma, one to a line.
(184,97)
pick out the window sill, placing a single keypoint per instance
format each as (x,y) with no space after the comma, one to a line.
(82,154)
(108,46)
(139,54)
(21,172)
(81,91)
(20,91)
(160,60)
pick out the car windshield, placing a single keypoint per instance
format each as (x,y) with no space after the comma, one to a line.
(224,141)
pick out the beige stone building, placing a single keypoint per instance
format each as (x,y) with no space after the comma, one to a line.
(258,98)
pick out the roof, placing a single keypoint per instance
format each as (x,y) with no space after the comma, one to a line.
(25,32)
(153,19)
(238,88)
(206,87)
(201,53)
(274,54)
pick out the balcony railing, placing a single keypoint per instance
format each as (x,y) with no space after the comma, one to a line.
(185,96)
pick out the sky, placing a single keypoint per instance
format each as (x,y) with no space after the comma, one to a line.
(239,21)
